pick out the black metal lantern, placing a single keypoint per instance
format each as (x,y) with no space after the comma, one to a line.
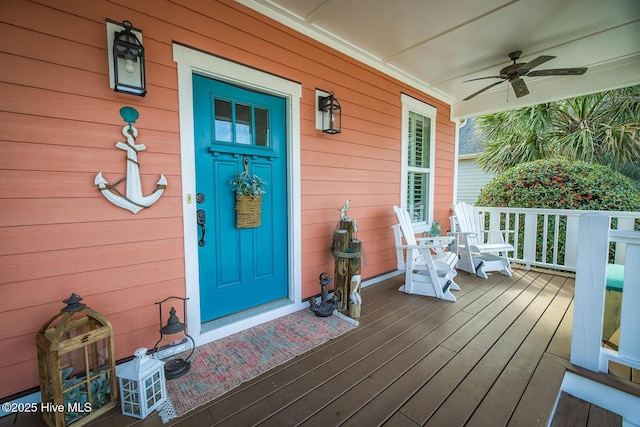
(331,114)
(128,62)
(175,347)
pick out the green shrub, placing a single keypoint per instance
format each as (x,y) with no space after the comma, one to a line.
(561,184)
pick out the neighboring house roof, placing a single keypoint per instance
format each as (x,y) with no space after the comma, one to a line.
(471,178)
(469,144)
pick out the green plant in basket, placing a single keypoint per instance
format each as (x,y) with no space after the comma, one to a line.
(246,185)
(76,397)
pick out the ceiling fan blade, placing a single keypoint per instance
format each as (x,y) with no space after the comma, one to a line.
(482,90)
(519,87)
(534,63)
(559,72)
(482,78)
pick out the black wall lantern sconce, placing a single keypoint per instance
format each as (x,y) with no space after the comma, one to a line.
(128,61)
(331,114)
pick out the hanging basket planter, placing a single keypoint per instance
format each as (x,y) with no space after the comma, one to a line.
(249,190)
(248,211)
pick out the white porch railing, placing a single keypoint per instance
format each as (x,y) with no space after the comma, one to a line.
(594,240)
(587,351)
(549,237)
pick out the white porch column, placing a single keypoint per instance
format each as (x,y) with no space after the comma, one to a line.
(593,250)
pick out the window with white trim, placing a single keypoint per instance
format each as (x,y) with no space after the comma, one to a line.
(418,160)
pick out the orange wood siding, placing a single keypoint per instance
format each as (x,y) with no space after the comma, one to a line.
(59,123)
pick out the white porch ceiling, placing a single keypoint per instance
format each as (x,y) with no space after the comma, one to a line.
(435,45)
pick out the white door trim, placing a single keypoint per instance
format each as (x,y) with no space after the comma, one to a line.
(192,61)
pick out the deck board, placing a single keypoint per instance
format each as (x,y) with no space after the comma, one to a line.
(494,357)
(316,369)
(392,397)
(571,411)
(463,401)
(400,338)
(536,404)
(498,404)
(399,355)
(485,330)
(575,412)
(599,417)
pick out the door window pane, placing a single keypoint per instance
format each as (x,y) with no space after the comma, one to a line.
(262,126)
(223,120)
(243,124)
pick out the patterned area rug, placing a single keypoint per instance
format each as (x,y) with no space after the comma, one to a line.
(220,366)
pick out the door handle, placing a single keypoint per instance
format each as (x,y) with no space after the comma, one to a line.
(202,219)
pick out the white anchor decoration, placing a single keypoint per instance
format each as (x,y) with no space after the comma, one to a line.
(133,200)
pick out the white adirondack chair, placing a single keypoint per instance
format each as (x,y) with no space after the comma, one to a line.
(425,273)
(479,250)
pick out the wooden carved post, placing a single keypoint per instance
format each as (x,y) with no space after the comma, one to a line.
(341,276)
(355,247)
(355,302)
(347,253)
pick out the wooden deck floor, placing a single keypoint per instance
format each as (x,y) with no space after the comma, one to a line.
(494,357)
(576,412)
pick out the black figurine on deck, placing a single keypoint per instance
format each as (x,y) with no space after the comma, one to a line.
(326,307)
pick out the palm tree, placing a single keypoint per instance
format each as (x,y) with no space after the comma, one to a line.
(600,128)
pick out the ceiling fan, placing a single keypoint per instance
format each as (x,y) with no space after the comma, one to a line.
(514,73)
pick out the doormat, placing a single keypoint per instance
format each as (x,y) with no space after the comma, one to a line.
(224,364)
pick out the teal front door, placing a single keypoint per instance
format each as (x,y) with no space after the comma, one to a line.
(239,268)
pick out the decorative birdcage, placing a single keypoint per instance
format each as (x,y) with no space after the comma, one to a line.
(76,364)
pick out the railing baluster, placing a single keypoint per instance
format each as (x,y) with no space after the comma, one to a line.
(571,241)
(494,224)
(630,316)
(556,233)
(525,234)
(530,226)
(516,234)
(545,227)
(621,248)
